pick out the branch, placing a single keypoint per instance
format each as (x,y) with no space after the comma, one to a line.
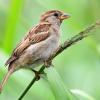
(61,48)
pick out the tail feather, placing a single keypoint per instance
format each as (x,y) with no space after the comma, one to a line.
(6,78)
(10,60)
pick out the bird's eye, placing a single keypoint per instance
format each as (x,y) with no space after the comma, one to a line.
(56,14)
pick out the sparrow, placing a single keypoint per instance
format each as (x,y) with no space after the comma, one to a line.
(37,45)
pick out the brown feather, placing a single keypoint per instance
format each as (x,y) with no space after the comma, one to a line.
(4,81)
(35,35)
(47,14)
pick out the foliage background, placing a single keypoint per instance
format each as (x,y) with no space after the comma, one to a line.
(76,68)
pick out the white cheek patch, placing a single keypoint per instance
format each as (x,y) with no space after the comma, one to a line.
(53,20)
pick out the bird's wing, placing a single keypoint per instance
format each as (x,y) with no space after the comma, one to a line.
(35,35)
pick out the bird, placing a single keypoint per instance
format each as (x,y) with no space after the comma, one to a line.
(37,45)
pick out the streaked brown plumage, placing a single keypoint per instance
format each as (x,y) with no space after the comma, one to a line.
(31,38)
(38,44)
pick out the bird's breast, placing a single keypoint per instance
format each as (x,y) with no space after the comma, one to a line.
(44,49)
(51,46)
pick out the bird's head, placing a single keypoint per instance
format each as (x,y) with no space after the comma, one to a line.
(54,17)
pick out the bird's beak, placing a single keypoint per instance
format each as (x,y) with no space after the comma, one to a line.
(64,16)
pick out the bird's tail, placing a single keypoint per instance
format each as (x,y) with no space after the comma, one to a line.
(6,77)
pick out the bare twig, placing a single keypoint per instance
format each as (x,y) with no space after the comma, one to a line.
(61,48)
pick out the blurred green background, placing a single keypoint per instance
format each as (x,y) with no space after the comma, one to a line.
(77,68)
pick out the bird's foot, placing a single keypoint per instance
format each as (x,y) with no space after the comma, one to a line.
(37,74)
(48,63)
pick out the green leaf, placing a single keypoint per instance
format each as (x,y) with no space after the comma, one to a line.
(57,86)
(13,16)
(81,94)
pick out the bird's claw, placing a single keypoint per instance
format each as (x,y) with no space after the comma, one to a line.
(37,74)
(48,63)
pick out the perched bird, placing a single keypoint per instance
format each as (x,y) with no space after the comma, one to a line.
(38,44)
